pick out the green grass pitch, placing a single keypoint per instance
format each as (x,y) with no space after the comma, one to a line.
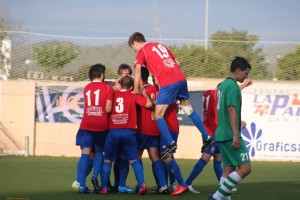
(50,178)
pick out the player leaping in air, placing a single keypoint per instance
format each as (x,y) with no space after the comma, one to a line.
(172,82)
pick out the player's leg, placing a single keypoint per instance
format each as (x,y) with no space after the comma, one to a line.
(184,97)
(158,170)
(198,168)
(99,140)
(232,158)
(166,96)
(110,152)
(172,178)
(174,168)
(217,162)
(130,152)
(85,140)
(161,122)
(76,184)
(194,116)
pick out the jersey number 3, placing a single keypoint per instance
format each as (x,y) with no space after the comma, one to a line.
(120,107)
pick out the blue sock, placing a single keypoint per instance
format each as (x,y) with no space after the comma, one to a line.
(166,173)
(90,166)
(89,169)
(154,174)
(105,174)
(138,171)
(218,169)
(78,170)
(117,171)
(83,166)
(195,117)
(159,172)
(163,127)
(175,170)
(141,161)
(97,163)
(196,171)
(172,178)
(124,170)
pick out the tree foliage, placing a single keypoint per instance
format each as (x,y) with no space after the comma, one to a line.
(82,73)
(53,55)
(224,47)
(289,66)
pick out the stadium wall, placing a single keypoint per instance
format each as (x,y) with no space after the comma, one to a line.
(271,110)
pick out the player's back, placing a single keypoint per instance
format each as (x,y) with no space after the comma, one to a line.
(210,113)
(171,118)
(123,113)
(146,123)
(95,117)
(161,63)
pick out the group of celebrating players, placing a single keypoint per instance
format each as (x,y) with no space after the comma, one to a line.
(121,120)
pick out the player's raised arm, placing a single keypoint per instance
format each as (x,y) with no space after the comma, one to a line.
(137,77)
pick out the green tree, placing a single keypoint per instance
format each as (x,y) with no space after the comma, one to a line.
(53,55)
(82,73)
(289,66)
(240,43)
(224,47)
(195,61)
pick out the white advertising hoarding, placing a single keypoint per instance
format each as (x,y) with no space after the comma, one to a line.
(272,115)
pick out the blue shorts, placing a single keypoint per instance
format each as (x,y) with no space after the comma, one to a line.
(164,143)
(212,149)
(123,140)
(168,94)
(146,141)
(91,139)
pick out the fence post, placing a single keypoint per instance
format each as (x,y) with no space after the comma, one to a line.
(26,146)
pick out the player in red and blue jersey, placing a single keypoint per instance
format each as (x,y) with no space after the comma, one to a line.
(120,166)
(122,126)
(94,125)
(171,166)
(210,121)
(163,65)
(148,135)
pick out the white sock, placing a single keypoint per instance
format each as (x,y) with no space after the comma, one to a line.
(222,179)
(230,182)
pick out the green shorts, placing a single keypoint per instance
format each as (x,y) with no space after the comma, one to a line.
(231,157)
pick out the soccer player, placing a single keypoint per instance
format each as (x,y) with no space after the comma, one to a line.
(148,135)
(122,125)
(210,121)
(235,157)
(163,65)
(94,125)
(171,165)
(120,166)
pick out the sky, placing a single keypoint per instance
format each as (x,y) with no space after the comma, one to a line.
(270,20)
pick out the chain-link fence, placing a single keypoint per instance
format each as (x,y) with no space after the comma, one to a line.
(27,55)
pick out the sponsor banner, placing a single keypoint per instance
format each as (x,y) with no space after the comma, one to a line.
(59,104)
(197,104)
(273,123)
(64,104)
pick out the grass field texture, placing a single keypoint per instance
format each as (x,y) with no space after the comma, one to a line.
(50,178)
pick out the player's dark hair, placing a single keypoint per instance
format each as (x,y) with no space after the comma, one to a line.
(123,67)
(126,82)
(136,37)
(144,73)
(239,63)
(96,71)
